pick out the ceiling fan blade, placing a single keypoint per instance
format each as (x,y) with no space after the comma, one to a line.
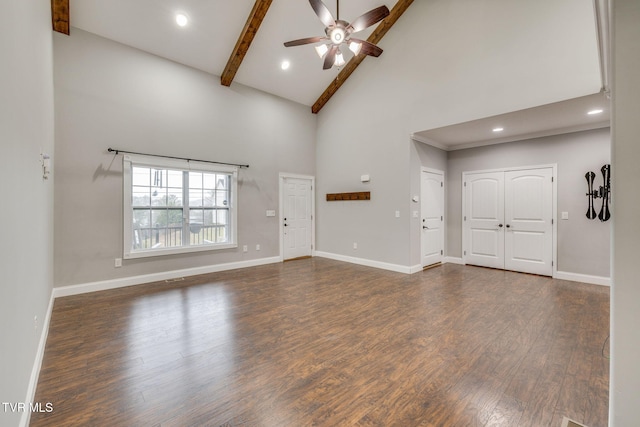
(368,48)
(323,12)
(368,19)
(330,58)
(306,40)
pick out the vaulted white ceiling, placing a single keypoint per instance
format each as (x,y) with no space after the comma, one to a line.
(213,29)
(215,25)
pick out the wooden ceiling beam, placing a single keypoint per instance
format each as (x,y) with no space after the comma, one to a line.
(60,16)
(396,12)
(249,31)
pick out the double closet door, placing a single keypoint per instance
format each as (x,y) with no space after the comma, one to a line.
(508,220)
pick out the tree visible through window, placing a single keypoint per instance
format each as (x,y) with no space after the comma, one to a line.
(176,210)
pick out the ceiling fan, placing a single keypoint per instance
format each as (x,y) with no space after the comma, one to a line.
(339,32)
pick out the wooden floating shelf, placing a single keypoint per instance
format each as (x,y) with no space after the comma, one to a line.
(361,195)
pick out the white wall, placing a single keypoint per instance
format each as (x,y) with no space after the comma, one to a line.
(444,62)
(26,128)
(583,244)
(625,298)
(111,95)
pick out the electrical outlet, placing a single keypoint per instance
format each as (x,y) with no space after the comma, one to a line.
(355,245)
(257,247)
(35,323)
(245,248)
(397,214)
(118,262)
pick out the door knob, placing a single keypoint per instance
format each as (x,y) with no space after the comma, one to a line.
(508,226)
(425,227)
(500,225)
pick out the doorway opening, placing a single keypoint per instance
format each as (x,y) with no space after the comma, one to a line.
(432,221)
(509,219)
(297,216)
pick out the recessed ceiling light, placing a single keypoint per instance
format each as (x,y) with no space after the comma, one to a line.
(592,112)
(285,65)
(498,129)
(181,19)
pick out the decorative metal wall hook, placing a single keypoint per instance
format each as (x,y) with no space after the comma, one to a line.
(591,194)
(605,213)
(604,192)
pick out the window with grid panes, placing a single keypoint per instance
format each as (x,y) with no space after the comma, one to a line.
(174,206)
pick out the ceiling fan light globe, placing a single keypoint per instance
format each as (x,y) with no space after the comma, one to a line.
(322,50)
(339,62)
(355,47)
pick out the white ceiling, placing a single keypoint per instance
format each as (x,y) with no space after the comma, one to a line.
(215,25)
(551,119)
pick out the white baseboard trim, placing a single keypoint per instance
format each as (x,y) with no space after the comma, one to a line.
(155,277)
(37,364)
(453,260)
(584,278)
(416,268)
(367,262)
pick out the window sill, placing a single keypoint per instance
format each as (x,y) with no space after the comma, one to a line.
(175,251)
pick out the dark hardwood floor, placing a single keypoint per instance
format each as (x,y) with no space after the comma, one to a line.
(317,342)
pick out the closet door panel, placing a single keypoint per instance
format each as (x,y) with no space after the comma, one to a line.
(484,203)
(528,221)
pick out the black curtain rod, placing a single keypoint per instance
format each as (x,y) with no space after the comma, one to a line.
(113,150)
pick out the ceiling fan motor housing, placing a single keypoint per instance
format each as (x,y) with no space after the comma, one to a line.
(338,33)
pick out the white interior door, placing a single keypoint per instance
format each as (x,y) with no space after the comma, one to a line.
(484,219)
(432,237)
(509,220)
(297,218)
(528,226)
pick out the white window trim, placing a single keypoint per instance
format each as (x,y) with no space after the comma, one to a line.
(158,162)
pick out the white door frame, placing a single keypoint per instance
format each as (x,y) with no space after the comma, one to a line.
(554,226)
(281,178)
(424,169)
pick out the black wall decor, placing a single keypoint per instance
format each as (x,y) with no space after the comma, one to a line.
(604,192)
(591,194)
